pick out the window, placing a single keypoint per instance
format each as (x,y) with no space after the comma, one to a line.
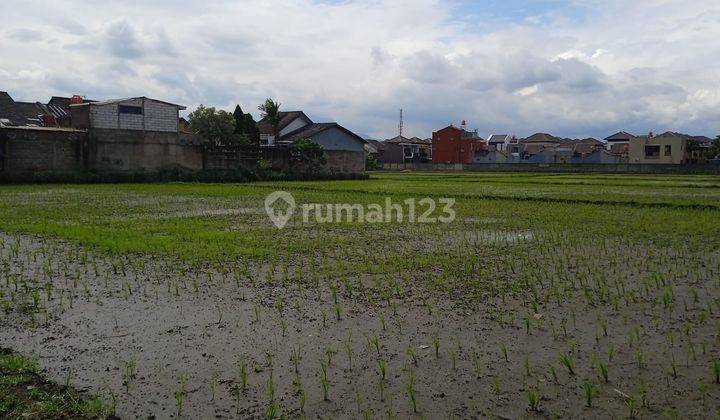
(652,151)
(130,109)
(668,150)
(267,139)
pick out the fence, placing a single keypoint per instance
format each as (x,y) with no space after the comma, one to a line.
(557,167)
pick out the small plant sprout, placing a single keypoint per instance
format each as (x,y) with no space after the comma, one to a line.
(602,369)
(503,350)
(566,361)
(533,396)
(590,390)
(324,383)
(716,370)
(180,394)
(436,345)
(411,390)
(381,373)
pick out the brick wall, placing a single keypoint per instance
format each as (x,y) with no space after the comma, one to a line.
(156,116)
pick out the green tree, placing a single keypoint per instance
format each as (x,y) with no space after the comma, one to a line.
(251,129)
(307,156)
(216,126)
(239,117)
(715,148)
(271,111)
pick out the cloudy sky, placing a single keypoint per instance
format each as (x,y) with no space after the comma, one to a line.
(572,68)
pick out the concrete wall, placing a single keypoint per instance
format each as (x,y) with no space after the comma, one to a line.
(31,150)
(26,152)
(156,116)
(335,138)
(586,167)
(346,161)
(150,151)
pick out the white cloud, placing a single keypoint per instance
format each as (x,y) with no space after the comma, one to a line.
(640,66)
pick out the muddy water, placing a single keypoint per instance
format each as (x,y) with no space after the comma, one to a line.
(169,333)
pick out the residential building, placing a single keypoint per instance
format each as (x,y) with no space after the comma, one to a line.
(135,114)
(455,145)
(414,150)
(501,142)
(290,121)
(54,113)
(619,143)
(667,148)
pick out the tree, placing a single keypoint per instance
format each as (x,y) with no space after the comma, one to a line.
(216,126)
(251,129)
(715,148)
(239,117)
(307,156)
(271,111)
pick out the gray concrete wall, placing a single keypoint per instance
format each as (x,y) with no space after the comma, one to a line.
(346,161)
(529,167)
(149,151)
(335,138)
(26,151)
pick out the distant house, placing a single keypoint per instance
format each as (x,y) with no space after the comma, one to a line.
(455,145)
(290,121)
(345,151)
(55,113)
(535,143)
(501,142)
(414,150)
(619,143)
(133,114)
(667,148)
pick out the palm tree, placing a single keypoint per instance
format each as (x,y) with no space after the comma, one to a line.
(271,111)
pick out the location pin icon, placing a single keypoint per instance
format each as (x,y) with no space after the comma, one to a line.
(279,216)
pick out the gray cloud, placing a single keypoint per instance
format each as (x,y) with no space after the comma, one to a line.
(358,62)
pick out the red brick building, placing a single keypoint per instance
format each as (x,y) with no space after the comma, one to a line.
(455,145)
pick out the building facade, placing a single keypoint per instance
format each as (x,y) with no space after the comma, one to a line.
(667,148)
(455,145)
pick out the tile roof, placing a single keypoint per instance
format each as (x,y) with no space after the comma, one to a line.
(541,138)
(498,138)
(286,118)
(413,140)
(621,136)
(315,128)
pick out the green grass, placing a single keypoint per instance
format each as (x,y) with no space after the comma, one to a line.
(168,219)
(25,394)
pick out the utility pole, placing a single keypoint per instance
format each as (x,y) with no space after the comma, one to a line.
(400,126)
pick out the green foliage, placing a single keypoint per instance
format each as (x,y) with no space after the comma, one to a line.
(216,126)
(306,156)
(271,112)
(25,394)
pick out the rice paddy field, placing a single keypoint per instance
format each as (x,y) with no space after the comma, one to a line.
(548,296)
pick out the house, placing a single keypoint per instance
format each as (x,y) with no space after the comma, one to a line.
(537,142)
(501,142)
(455,145)
(414,149)
(138,114)
(344,150)
(667,148)
(552,154)
(619,143)
(289,122)
(55,113)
